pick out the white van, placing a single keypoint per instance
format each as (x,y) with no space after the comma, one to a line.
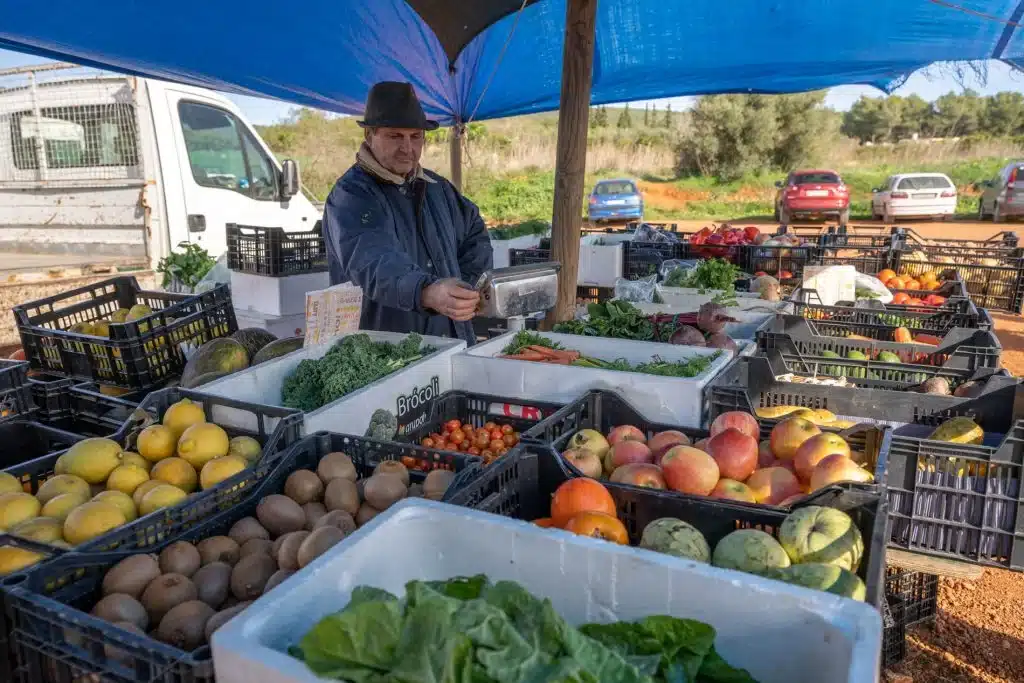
(121,169)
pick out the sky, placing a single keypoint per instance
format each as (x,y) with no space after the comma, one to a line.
(928,86)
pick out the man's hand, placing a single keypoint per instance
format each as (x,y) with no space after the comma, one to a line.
(451,299)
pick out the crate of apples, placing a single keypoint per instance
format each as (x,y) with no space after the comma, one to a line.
(489,441)
(906,287)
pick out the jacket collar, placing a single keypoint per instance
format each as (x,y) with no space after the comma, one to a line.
(369,163)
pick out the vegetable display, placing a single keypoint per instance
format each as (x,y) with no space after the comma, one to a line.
(355,361)
(622,320)
(468,629)
(491,441)
(713,273)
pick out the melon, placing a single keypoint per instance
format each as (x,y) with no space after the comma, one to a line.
(253,339)
(281,347)
(219,355)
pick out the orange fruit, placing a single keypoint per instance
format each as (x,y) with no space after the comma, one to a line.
(886,275)
(931,285)
(895,283)
(928,276)
(912,284)
(901,298)
(598,525)
(580,495)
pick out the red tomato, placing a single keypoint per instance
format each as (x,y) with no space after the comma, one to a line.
(473,450)
(487,453)
(497,445)
(509,440)
(465,446)
(482,440)
(452,425)
(496,433)
(457,436)
(427,442)
(489,426)
(441,445)
(507,429)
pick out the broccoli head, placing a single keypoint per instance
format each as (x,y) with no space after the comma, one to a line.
(383,425)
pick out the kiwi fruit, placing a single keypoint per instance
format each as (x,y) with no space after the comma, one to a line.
(213,583)
(247,528)
(384,490)
(251,574)
(341,494)
(222,617)
(288,550)
(121,607)
(393,467)
(254,546)
(116,653)
(317,543)
(336,465)
(338,518)
(304,486)
(436,483)
(280,514)
(279,576)
(415,490)
(131,575)
(184,626)
(313,512)
(180,557)
(218,549)
(366,513)
(166,591)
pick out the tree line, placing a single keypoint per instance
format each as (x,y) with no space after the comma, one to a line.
(652,118)
(895,118)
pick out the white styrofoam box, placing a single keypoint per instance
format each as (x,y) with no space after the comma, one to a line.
(279,325)
(685,299)
(275,295)
(401,392)
(831,284)
(673,400)
(500,248)
(778,632)
(600,260)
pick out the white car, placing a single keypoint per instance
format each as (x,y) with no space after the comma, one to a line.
(921,195)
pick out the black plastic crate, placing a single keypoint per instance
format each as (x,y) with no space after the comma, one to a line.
(24,441)
(644,259)
(15,395)
(851,236)
(960,348)
(914,318)
(82,408)
(141,354)
(51,397)
(593,295)
(894,631)
(918,591)
(911,238)
(275,252)
(750,384)
(865,259)
(521,487)
(524,257)
(784,263)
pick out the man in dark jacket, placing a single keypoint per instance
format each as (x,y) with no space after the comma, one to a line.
(402,233)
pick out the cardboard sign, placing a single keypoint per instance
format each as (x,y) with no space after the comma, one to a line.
(332,312)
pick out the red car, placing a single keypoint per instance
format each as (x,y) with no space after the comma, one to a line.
(812,194)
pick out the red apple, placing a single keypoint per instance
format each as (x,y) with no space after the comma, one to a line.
(787,436)
(662,441)
(625,433)
(735,453)
(773,485)
(765,457)
(586,462)
(837,468)
(640,474)
(785,464)
(812,451)
(730,489)
(702,445)
(792,499)
(736,419)
(625,452)
(689,470)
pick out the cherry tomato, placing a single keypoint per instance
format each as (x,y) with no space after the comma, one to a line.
(457,436)
(486,453)
(482,441)
(452,425)
(427,442)
(509,440)
(435,436)
(409,461)
(507,429)
(496,434)
(489,426)
(465,446)
(473,450)
(441,445)
(496,445)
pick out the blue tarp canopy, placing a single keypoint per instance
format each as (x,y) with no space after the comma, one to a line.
(482,59)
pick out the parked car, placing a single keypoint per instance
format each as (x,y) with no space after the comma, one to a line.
(921,195)
(818,194)
(615,200)
(1003,196)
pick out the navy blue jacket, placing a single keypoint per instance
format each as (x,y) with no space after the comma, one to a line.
(394,240)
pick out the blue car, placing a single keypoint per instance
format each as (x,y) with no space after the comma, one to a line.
(615,200)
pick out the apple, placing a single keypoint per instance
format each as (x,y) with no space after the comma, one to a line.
(792,499)
(787,436)
(702,445)
(662,441)
(624,453)
(589,440)
(689,470)
(586,462)
(787,464)
(625,433)
(730,489)
(773,485)
(640,474)
(765,457)
(736,419)
(835,468)
(812,451)
(735,453)
(822,534)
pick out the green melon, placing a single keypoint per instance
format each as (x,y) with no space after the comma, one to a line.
(253,339)
(224,355)
(281,347)
(200,380)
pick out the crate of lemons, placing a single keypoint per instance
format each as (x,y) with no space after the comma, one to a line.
(97,487)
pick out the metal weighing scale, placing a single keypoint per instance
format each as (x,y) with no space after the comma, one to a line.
(518,293)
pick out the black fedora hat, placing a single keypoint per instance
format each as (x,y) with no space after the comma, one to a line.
(394,105)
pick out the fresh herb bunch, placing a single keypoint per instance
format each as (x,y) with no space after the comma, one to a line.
(684,368)
(526,338)
(709,274)
(615,319)
(188,266)
(354,362)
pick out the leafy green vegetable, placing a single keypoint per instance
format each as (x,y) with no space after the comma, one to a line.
(524,338)
(714,669)
(684,368)
(615,319)
(188,266)
(709,274)
(681,644)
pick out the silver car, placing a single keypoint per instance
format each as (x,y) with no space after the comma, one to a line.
(1003,196)
(918,195)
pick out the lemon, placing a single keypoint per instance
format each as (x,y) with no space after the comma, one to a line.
(13,559)
(15,508)
(246,447)
(122,500)
(92,519)
(59,507)
(202,443)
(92,459)
(61,484)
(161,496)
(41,529)
(126,479)
(176,472)
(219,469)
(183,415)
(9,484)
(119,316)
(129,458)
(157,442)
(143,489)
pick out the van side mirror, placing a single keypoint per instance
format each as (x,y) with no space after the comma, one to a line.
(289,179)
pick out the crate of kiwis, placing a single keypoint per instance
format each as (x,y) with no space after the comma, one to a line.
(147,611)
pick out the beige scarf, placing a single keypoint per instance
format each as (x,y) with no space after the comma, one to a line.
(369,163)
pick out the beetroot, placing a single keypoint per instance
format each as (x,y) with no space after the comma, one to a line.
(712,318)
(687,336)
(720,340)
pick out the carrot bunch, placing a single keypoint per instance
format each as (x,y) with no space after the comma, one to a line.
(543,354)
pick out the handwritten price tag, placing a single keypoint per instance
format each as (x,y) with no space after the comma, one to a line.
(332,312)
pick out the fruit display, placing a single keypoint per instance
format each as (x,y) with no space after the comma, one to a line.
(489,441)
(730,463)
(905,287)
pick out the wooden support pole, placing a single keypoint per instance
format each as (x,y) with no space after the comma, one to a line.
(571,158)
(455,151)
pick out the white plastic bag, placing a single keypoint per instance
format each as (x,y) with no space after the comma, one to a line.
(870,283)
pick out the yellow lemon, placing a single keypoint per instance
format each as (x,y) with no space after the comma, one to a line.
(92,519)
(202,443)
(157,442)
(143,489)
(176,472)
(126,479)
(60,484)
(92,459)
(14,559)
(41,529)
(129,458)
(59,507)
(183,415)
(162,496)
(122,500)
(9,484)
(247,447)
(219,469)
(15,508)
